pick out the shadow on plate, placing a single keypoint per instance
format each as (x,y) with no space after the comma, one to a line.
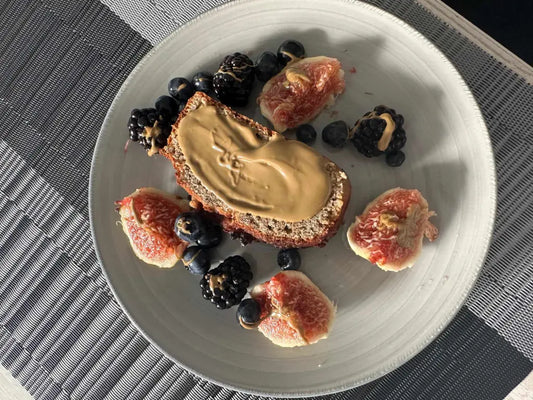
(447,182)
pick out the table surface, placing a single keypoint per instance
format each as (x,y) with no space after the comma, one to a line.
(11,389)
(507,23)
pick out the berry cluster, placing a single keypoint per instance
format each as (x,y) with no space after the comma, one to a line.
(224,285)
(231,84)
(377,132)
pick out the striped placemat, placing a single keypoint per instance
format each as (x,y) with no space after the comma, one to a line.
(61,333)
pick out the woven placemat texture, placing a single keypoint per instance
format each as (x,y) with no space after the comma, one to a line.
(61,333)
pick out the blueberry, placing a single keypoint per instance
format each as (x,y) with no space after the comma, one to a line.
(196,260)
(289,259)
(167,108)
(306,133)
(395,158)
(211,237)
(266,66)
(203,82)
(181,89)
(190,226)
(290,50)
(335,134)
(248,312)
(193,228)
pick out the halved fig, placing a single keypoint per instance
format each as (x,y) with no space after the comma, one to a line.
(390,231)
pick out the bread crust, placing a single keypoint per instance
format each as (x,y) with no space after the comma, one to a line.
(315,231)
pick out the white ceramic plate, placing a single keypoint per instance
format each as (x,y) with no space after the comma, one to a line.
(383,318)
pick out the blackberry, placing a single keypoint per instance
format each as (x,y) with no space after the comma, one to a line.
(147,124)
(226,284)
(233,81)
(368,131)
(138,120)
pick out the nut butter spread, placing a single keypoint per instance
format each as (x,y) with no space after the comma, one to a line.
(278,178)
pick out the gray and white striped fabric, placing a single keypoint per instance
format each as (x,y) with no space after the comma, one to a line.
(61,333)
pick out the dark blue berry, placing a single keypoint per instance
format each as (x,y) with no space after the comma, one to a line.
(167,108)
(266,66)
(211,237)
(335,134)
(203,82)
(181,89)
(395,158)
(290,50)
(289,259)
(196,260)
(306,133)
(190,226)
(194,228)
(249,312)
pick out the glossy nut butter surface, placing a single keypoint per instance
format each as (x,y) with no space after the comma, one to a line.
(278,178)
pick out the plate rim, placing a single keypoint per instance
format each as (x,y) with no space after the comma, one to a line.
(411,352)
